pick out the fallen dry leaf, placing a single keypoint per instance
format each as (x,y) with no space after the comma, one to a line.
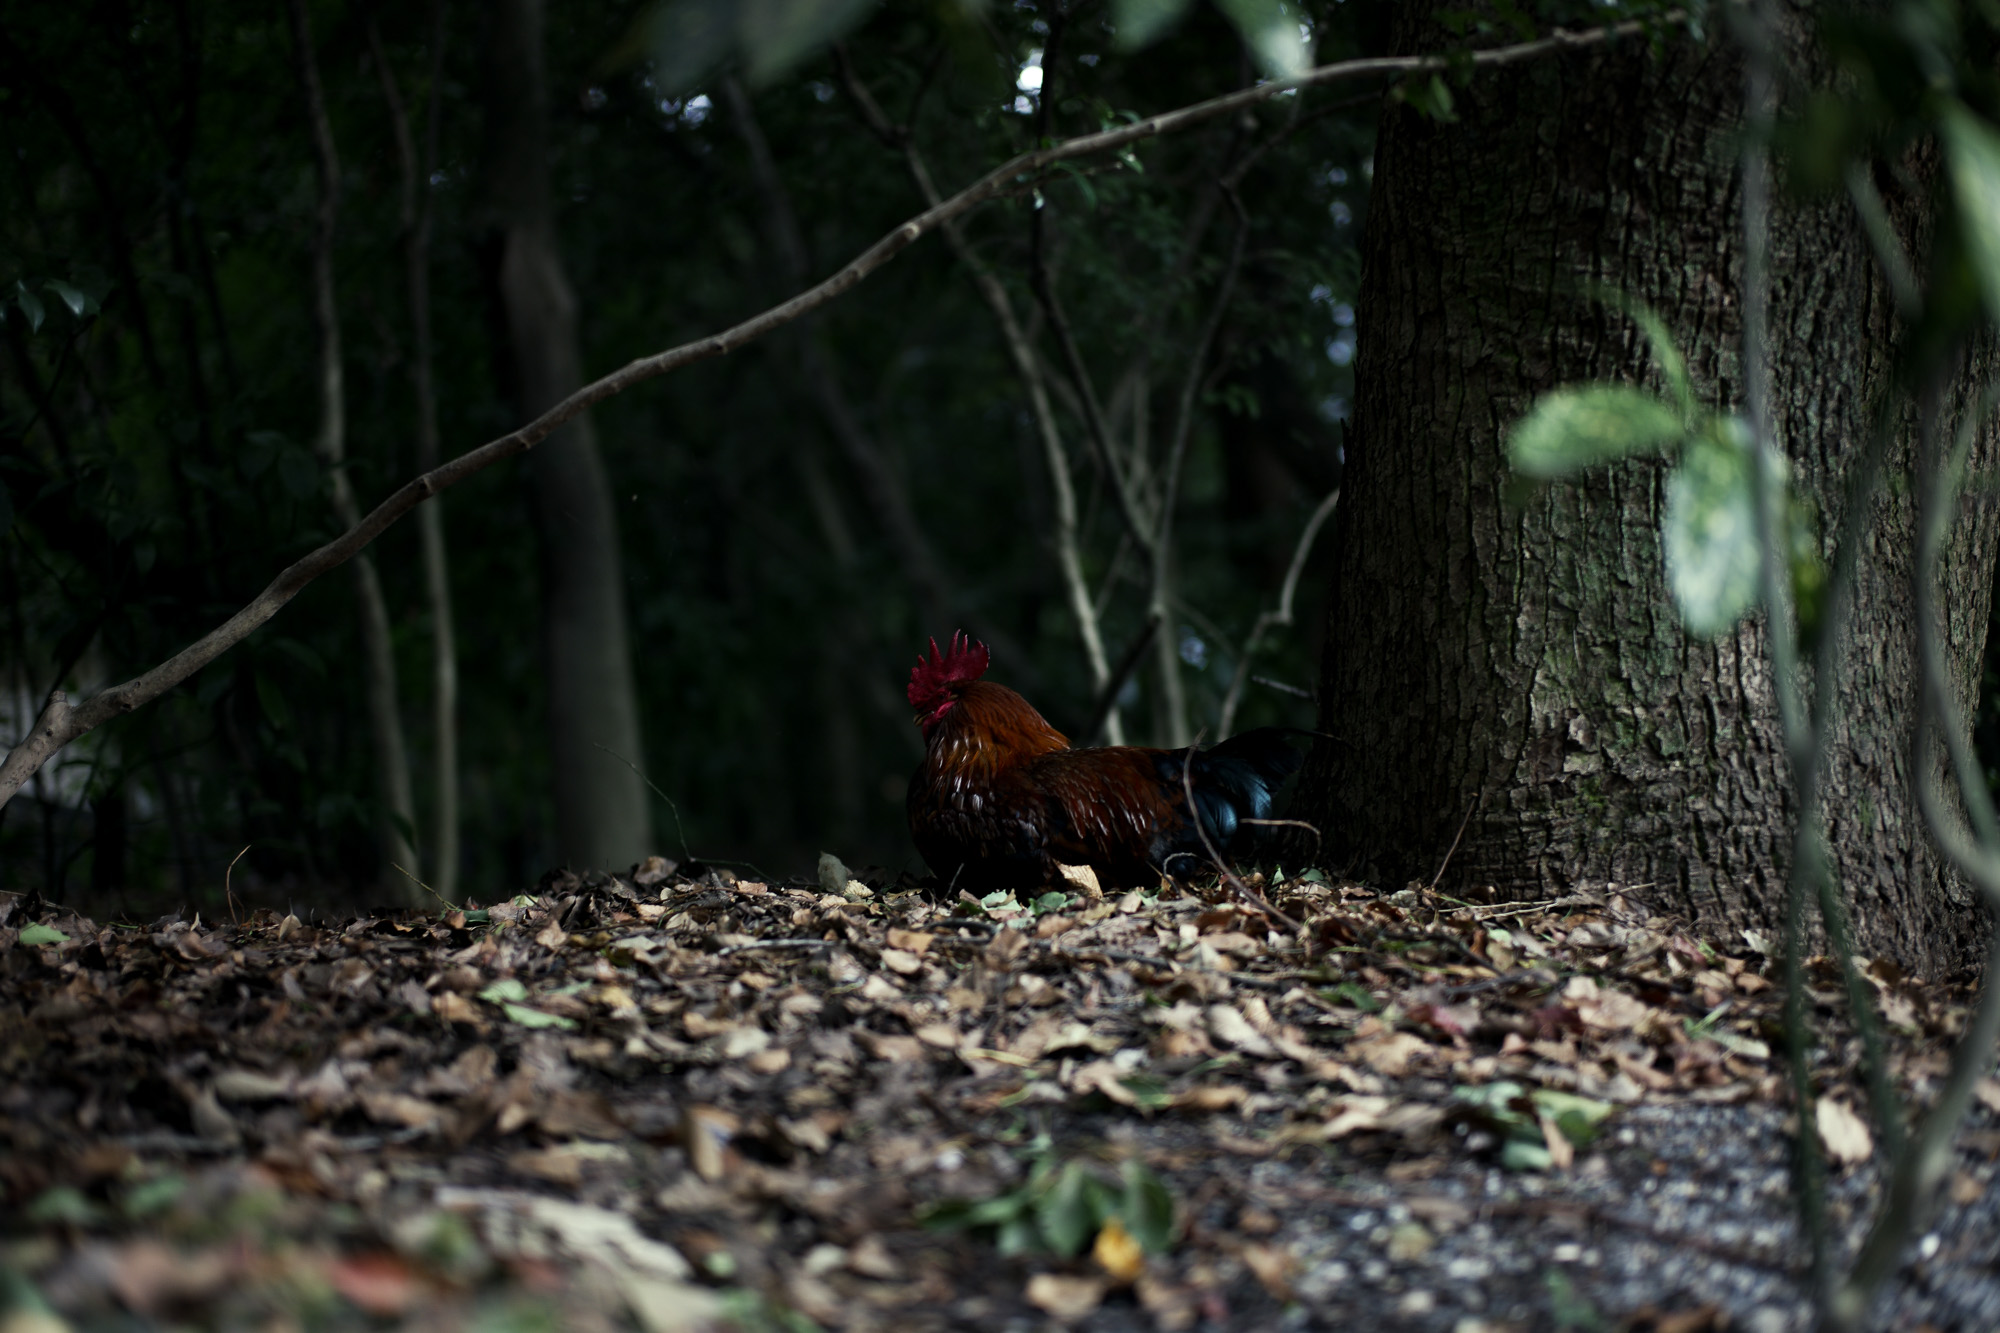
(1844,1134)
(1063,1297)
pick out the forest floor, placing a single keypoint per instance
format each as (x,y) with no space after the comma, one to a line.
(681,1102)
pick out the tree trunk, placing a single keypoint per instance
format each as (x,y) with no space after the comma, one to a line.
(1515,666)
(600,797)
(415,173)
(396,813)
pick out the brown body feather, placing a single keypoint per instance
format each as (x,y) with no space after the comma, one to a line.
(1001,798)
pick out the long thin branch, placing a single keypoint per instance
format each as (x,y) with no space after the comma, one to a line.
(1042,283)
(1161,600)
(1920,1168)
(59,723)
(1067,535)
(1279,615)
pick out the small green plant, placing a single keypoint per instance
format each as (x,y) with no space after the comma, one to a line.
(1516,1114)
(1062,1206)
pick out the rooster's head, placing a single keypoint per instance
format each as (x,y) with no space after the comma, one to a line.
(936,680)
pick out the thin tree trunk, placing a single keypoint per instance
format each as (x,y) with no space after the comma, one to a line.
(385,728)
(1520,668)
(600,797)
(416,218)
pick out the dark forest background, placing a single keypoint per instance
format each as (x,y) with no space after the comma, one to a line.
(156,448)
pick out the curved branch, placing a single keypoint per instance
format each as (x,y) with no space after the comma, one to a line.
(65,724)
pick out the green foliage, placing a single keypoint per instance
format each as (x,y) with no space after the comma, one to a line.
(1708,530)
(1516,1113)
(1060,1208)
(1573,429)
(1972,148)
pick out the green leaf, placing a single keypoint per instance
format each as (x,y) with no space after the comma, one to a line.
(1017,1236)
(65,1203)
(1972,150)
(79,302)
(1068,1215)
(35,934)
(1147,1209)
(1148,1092)
(503,990)
(1572,429)
(154,1196)
(1272,33)
(1352,993)
(1709,531)
(1577,1117)
(1139,21)
(31,306)
(1526,1154)
(1666,356)
(1429,97)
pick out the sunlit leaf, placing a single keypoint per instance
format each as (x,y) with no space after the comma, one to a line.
(1271,30)
(507,988)
(1522,1153)
(1972,148)
(1572,429)
(1140,21)
(1710,533)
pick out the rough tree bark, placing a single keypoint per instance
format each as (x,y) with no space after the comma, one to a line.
(1516,667)
(600,798)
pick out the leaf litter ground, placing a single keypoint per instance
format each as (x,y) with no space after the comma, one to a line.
(673,1102)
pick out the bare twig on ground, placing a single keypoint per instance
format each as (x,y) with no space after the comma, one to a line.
(1243,891)
(1459,837)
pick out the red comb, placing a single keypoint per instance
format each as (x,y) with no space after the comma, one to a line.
(965,661)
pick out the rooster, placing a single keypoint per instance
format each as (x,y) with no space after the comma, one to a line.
(1002,798)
